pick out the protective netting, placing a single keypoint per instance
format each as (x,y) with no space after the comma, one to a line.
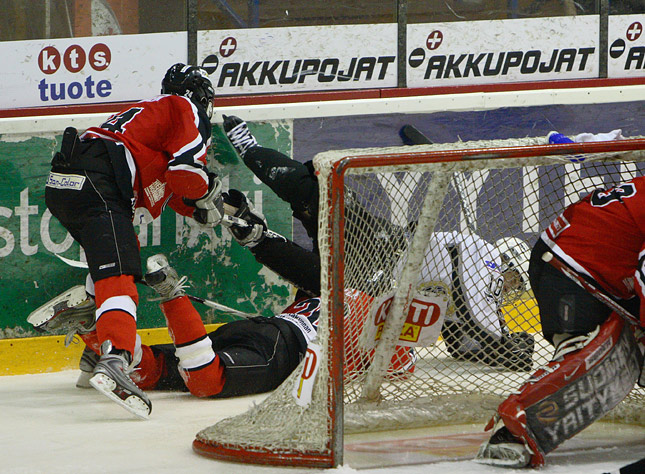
(440,324)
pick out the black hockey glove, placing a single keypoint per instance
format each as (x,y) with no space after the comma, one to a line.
(209,209)
(247,226)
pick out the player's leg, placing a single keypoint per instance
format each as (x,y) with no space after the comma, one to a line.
(595,365)
(292,181)
(112,252)
(194,359)
(258,354)
(588,376)
(103,225)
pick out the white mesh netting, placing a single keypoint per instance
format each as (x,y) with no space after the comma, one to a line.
(462,340)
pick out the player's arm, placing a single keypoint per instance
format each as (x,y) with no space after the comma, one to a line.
(249,228)
(186,143)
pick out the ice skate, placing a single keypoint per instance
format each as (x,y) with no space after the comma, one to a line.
(503,449)
(238,133)
(72,312)
(164,279)
(89,359)
(111,378)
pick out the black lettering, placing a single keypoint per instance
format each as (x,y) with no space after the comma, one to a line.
(453,66)
(309,68)
(473,65)
(498,67)
(384,61)
(585,53)
(229,71)
(435,63)
(294,74)
(566,57)
(365,65)
(267,74)
(246,75)
(323,76)
(513,59)
(635,55)
(346,76)
(530,62)
(544,67)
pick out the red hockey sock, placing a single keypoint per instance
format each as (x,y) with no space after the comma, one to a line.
(91,340)
(116,300)
(184,322)
(149,370)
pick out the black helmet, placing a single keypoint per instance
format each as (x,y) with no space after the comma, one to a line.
(192,82)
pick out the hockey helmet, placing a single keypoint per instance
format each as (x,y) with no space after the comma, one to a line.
(515,256)
(192,82)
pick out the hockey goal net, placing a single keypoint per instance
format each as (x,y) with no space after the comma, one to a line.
(407,337)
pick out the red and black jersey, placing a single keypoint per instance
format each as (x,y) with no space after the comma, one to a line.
(603,236)
(166,140)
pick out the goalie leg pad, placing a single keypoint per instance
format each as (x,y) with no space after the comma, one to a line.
(588,376)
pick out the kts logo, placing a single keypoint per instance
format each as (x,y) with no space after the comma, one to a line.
(74,59)
(635,58)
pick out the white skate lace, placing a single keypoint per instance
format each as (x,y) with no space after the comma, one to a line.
(169,288)
(241,138)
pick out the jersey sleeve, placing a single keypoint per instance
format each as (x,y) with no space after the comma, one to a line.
(187,145)
(639,284)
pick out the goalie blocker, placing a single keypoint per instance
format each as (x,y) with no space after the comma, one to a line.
(588,376)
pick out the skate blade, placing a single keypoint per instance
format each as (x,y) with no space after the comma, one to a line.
(133,404)
(503,455)
(83,380)
(70,298)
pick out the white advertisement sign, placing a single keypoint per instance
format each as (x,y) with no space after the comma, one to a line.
(73,71)
(303,388)
(626,55)
(499,51)
(422,325)
(311,58)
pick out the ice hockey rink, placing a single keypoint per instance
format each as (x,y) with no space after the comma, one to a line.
(50,426)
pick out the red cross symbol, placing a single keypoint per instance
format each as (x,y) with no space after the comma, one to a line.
(634,31)
(228,47)
(434,39)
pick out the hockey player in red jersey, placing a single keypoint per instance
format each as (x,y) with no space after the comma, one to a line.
(150,155)
(598,355)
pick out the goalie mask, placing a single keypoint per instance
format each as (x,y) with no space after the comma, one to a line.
(515,255)
(192,82)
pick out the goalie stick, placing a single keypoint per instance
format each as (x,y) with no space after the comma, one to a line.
(595,291)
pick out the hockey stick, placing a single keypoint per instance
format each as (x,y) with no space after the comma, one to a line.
(411,135)
(637,467)
(220,307)
(592,289)
(204,301)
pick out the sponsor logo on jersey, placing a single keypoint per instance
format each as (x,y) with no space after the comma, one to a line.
(155,192)
(73,182)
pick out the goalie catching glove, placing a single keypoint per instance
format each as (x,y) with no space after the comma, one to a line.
(209,209)
(248,226)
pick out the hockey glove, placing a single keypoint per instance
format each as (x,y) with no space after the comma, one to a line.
(249,226)
(238,133)
(209,209)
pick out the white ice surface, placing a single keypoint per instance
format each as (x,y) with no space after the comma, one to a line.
(50,426)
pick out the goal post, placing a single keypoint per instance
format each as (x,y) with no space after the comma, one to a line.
(418,327)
